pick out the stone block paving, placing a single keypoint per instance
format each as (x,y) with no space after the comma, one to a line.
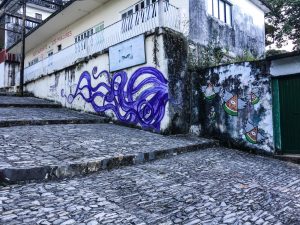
(213,186)
(57,148)
(9,101)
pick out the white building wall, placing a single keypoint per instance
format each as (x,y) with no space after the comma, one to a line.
(108,14)
(184,6)
(250,9)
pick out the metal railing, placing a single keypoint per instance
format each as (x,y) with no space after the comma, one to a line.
(136,24)
(50,4)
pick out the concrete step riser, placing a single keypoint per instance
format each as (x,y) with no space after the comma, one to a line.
(13,175)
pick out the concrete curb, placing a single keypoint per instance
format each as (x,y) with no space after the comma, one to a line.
(12,123)
(15,175)
(289,158)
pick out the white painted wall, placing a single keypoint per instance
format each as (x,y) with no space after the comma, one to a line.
(250,9)
(184,6)
(285,66)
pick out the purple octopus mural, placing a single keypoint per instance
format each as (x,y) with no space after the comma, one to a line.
(140,99)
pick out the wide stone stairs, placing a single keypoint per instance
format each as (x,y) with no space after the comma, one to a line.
(40,140)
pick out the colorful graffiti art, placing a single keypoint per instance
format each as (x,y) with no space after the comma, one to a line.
(210,91)
(254,97)
(232,104)
(140,99)
(253,134)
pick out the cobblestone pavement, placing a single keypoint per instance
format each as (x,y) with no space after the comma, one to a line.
(60,146)
(24,146)
(24,101)
(213,186)
(29,114)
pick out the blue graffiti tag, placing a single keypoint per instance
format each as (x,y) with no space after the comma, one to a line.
(140,100)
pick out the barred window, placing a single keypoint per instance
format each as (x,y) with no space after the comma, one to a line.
(221,9)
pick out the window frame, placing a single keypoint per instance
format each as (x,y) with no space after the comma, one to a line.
(217,14)
(39,16)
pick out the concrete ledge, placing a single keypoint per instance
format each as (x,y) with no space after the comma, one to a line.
(15,175)
(12,123)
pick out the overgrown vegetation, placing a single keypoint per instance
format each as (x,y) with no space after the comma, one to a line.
(283,23)
(214,55)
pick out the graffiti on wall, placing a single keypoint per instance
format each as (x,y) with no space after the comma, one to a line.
(253,134)
(139,99)
(232,103)
(254,97)
(239,104)
(210,91)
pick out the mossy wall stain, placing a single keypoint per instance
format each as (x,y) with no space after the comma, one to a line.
(176,52)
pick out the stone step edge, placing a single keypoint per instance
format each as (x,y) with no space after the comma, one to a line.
(13,123)
(37,105)
(13,175)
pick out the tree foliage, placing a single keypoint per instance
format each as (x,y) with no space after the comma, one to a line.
(283,23)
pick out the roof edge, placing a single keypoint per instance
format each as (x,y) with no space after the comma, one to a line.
(263,5)
(283,55)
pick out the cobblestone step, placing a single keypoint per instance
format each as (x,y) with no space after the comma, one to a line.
(44,116)
(72,150)
(26,102)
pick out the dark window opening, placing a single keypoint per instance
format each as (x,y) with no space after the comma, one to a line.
(39,16)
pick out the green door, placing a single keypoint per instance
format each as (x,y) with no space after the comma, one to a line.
(289,97)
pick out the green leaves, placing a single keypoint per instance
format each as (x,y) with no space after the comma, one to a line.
(283,23)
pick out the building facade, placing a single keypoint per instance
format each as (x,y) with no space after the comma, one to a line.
(131,60)
(238,26)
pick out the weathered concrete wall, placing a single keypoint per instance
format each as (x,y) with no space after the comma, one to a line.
(233,103)
(247,32)
(2,75)
(176,51)
(139,96)
(8,74)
